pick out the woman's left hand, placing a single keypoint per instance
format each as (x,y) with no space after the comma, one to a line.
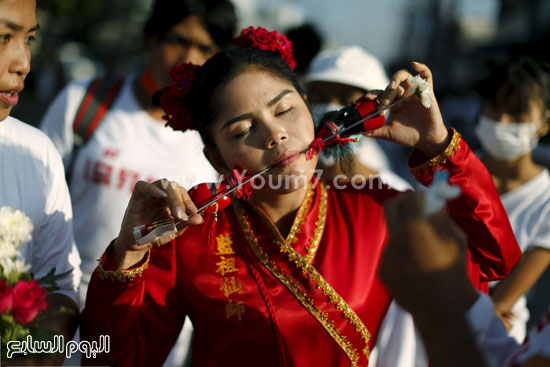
(410,123)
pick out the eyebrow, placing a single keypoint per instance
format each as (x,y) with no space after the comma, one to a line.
(184,38)
(245,116)
(16,27)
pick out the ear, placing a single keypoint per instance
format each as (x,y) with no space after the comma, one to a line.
(215,160)
(545,128)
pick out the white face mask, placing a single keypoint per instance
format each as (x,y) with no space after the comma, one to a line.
(318,110)
(507,141)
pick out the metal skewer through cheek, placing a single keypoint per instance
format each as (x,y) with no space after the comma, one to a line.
(268,168)
(160,228)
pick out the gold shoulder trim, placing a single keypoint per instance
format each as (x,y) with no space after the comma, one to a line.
(299,219)
(319,226)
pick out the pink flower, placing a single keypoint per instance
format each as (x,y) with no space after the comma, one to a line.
(28,299)
(6,297)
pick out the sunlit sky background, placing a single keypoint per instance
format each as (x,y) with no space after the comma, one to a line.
(374,24)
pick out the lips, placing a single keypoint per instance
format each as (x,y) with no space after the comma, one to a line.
(287,158)
(10,97)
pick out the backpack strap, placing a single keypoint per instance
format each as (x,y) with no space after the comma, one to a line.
(99,97)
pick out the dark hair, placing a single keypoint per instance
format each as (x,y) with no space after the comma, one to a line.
(511,87)
(306,43)
(222,68)
(218,16)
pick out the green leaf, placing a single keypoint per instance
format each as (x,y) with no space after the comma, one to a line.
(48,281)
(25,276)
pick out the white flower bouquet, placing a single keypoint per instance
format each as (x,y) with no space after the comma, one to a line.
(22,299)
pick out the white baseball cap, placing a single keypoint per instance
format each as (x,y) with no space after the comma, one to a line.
(349,65)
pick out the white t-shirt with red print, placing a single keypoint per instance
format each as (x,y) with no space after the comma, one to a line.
(129,145)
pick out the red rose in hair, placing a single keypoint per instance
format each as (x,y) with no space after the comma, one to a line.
(289,58)
(6,297)
(264,39)
(182,76)
(172,98)
(28,298)
(267,41)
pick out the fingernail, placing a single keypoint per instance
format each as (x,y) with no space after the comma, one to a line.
(162,193)
(393,84)
(192,209)
(181,213)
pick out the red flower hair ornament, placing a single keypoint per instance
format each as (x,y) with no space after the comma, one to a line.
(182,75)
(268,41)
(172,98)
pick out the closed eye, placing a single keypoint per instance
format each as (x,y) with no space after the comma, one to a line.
(5,38)
(244,132)
(283,112)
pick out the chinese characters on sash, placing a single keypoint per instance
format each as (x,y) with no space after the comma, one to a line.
(225,267)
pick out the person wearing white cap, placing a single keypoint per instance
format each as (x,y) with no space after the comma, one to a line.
(334,79)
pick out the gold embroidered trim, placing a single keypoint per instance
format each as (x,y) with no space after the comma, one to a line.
(123,275)
(294,287)
(319,227)
(311,273)
(440,159)
(299,220)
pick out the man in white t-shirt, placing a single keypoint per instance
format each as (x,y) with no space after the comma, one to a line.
(131,142)
(31,174)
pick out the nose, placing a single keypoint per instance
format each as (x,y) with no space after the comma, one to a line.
(20,62)
(275,134)
(193,55)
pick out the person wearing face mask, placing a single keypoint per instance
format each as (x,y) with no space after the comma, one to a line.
(515,115)
(334,79)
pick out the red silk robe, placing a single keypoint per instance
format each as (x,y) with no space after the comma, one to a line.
(312,299)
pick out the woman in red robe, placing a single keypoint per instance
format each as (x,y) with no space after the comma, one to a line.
(288,278)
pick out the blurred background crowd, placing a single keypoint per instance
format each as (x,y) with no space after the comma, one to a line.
(460,40)
(80,40)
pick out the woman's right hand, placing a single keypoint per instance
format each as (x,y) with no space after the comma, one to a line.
(151,202)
